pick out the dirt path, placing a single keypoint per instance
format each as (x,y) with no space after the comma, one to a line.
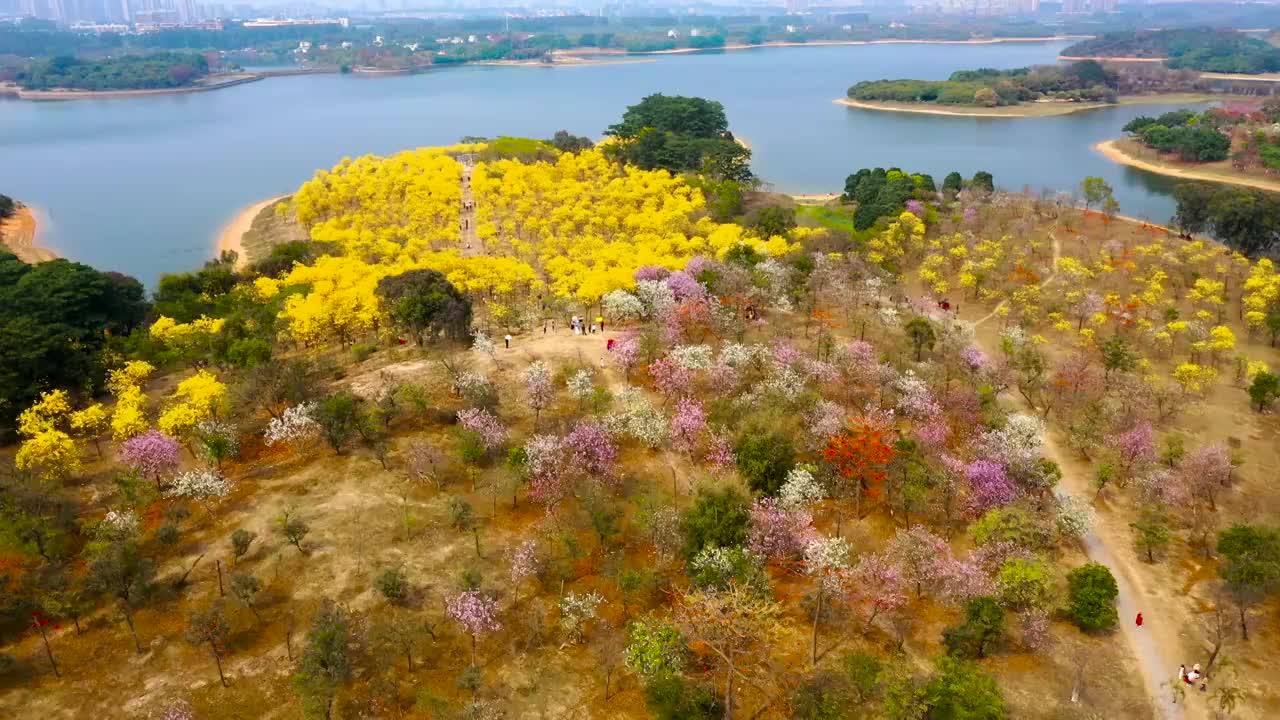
(1107,543)
(471,244)
(1053,275)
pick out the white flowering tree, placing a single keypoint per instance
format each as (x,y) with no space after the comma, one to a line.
(826,560)
(206,486)
(576,613)
(295,426)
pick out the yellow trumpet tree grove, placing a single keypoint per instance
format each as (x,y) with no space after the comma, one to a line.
(579,226)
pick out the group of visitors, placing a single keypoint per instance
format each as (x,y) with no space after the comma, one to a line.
(1190,677)
(579,325)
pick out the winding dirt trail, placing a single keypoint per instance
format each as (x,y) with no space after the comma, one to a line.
(1107,543)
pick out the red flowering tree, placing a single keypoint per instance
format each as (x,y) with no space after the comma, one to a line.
(859,458)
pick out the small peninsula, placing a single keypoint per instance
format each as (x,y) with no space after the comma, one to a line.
(1040,91)
(1221,145)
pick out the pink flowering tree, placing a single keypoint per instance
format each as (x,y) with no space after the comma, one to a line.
(670,378)
(822,422)
(477,613)
(918,554)
(651,272)
(878,584)
(688,424)
(523,563)
(685,287)
(546,464)
(592,452)
(539,390)
(486,426)
(152,454)
(989,486)
(626,353)
(719,454)
(1206,470)
(1135,449)
(778,531)
(960,581)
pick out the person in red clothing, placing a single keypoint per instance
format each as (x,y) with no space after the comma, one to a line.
(1138,620)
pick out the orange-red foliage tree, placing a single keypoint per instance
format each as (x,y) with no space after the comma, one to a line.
(859,458)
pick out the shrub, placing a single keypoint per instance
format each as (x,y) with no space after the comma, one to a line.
(958,689)
(1092,591)
(393,584)
(764,459)
(982,629)
(672,698)
(718,518)
(1011,524)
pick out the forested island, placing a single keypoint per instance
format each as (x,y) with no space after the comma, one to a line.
(1042,89)
(163,70)
(1206,49)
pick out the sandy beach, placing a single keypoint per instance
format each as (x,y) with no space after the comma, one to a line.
(18,233)
(233,233)
(1034,109)
(1115,153)
(1029,110)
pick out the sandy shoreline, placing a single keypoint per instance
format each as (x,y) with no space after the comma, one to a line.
(19,233)
(231,235)
(1113,152)
(229,81)
(1033,110)
(1014,111)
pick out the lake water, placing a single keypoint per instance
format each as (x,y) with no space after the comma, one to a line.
(143,186)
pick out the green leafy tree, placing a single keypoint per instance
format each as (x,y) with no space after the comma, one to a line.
(1025,584)
(1150,531)
(718,518)
(1092,591)
(1264,390)
(245,589)
(982,629)
(764,458)
(55,319)
(1096,191)
(326,665)
(983,180)
(952,183)
(1250,567)
(922,335)
(426,305)
(1117,356)
(339,417)
(120,569)
(958,690)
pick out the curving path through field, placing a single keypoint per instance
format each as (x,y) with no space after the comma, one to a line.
(1153,644)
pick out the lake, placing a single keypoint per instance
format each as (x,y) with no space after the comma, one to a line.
(144,185)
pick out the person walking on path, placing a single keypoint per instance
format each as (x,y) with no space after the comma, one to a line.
(600,321)
(508,340)
(1138,620)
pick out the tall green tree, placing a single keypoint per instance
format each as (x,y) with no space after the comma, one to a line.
(1250,566)
(426,305)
